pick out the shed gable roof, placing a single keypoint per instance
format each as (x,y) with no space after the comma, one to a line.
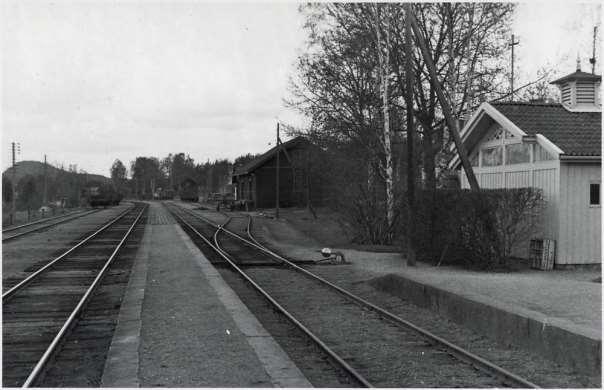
(260,160)
(576,133)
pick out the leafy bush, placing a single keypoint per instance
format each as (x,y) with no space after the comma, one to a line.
(474,229)
(351,186)
(367,215)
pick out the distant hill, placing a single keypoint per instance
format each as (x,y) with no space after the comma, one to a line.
(35,168)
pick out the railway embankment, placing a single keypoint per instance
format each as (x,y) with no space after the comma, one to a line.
(555,315)
(58,321)
(21,253)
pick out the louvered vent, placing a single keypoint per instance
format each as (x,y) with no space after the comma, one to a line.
(566,94)
(585,92)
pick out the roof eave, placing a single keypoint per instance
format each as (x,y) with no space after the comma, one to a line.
(580,158)
(578,75)
(251,166)
(496,115)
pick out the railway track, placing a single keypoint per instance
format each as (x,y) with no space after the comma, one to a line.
(18,231)
(376,347)
(60,315)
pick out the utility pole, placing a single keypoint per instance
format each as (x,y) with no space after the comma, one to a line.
(446,107)
(512,44)
(44,199)
(410,135)
(592,60)
(277,175)
(13,213)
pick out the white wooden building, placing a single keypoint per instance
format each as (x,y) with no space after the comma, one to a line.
(554,147)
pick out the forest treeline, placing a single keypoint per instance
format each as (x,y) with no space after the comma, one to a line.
(62,187)
(147,175)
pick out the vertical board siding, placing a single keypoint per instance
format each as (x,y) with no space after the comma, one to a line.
(491,180)
(537,176)
(517,179)
(546,180)
(580,239)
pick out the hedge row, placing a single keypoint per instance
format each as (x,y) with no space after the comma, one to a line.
(474,229)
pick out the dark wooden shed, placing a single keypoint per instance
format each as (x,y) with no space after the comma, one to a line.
(255,182)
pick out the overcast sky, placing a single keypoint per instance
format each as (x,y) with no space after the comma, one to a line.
(88,82)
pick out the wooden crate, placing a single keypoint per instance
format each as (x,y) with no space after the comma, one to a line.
(542,254)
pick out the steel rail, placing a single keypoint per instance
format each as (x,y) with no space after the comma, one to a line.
(44,226)
(70,320)
(34,275)
(212,223)
(357,376)
(42,220)
(462,354)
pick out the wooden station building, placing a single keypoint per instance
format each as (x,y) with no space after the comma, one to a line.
(552,146)
(255,182)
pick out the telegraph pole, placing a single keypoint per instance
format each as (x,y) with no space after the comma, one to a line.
(45,182)
(411,255)
(277,175)
(512,44)
(13,215)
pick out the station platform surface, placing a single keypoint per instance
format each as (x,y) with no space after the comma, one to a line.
(180,324)
(569,299)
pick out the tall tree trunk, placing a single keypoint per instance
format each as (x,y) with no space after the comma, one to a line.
(410,139)
(384,66)
(429,156)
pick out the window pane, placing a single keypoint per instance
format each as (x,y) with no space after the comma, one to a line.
(517,153)
(492,157)
(594,194)
(541,154)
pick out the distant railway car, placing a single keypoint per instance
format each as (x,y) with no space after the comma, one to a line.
(163,194)
(188,191)
(103,195)
(166,194)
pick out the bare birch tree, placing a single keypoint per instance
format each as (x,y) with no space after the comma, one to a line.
(382,22)
(352,78)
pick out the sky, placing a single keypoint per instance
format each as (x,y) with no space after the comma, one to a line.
(86,82)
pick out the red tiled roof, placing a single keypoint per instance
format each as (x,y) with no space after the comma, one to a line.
(576,133)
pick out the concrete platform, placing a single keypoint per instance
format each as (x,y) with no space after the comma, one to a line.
(557,314)
(181,325)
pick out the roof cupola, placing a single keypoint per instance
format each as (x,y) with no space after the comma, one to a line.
(580,91)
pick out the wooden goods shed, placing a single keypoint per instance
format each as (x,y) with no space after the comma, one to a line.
(255,182)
